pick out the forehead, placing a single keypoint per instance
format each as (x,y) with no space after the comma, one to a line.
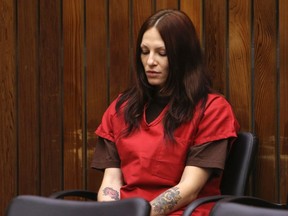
(152,37)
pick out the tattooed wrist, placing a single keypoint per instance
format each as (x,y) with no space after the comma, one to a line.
(165,202)
(113,194)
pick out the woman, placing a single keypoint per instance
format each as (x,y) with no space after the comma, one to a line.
(166,138)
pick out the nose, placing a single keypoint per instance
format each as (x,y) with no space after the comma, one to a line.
(151,59)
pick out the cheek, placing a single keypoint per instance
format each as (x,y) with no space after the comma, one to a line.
(166,74)
(143,60)
(166,66)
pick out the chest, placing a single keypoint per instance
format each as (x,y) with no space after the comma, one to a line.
(148,141)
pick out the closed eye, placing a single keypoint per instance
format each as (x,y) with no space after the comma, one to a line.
(162,53)
(144,52)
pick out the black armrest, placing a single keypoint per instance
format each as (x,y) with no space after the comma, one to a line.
(191,207)
(254,201)
(76,193)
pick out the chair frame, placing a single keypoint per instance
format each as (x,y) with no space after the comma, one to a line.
(36,205)
(243,205)
(228,182)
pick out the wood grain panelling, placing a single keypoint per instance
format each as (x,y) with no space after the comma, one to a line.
(8,105)
(162,4)
(283,97)
(28,97)
(96,79)
(193,8)
(141,11)
(240,61)
(119,32)
(50,90)
(240,69)
(63,62)
(73,109)
(265,28)
(215,41)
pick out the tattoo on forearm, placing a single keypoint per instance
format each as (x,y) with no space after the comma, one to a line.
(113,194)
(166,201)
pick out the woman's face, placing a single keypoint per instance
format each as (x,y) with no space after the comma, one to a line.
(154,58)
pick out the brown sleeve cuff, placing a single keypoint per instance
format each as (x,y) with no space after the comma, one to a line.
(105,155)
(208,155)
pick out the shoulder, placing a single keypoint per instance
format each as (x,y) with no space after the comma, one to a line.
(217,102)
(218,110)
(111,109)
(111,123)
(214,98)
(218,120)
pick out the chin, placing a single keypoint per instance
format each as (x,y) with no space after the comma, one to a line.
(155,84)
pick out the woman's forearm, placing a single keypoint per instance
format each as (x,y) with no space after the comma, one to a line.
(192,181)
(165,202)
(111,184)
(108,193)
(169,201)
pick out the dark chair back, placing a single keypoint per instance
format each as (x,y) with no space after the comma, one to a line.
(42,206)
(239,164)
(247,206)
(91,195)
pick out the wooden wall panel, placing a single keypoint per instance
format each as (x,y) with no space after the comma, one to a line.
(194,9)
(119,53)
(63,62)
(283,98)
(73,110)
(240,61)
(8,104)
(265,97)
(162,4)
(215,28)
(96,79)
(50,95)
(142,9)
(28,98)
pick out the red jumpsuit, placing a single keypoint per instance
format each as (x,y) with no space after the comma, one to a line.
(149,165)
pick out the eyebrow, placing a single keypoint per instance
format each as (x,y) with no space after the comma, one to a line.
(158,48)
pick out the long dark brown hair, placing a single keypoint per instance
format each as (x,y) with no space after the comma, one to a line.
(187,82)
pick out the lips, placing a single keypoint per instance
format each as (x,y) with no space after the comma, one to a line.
(152,73)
